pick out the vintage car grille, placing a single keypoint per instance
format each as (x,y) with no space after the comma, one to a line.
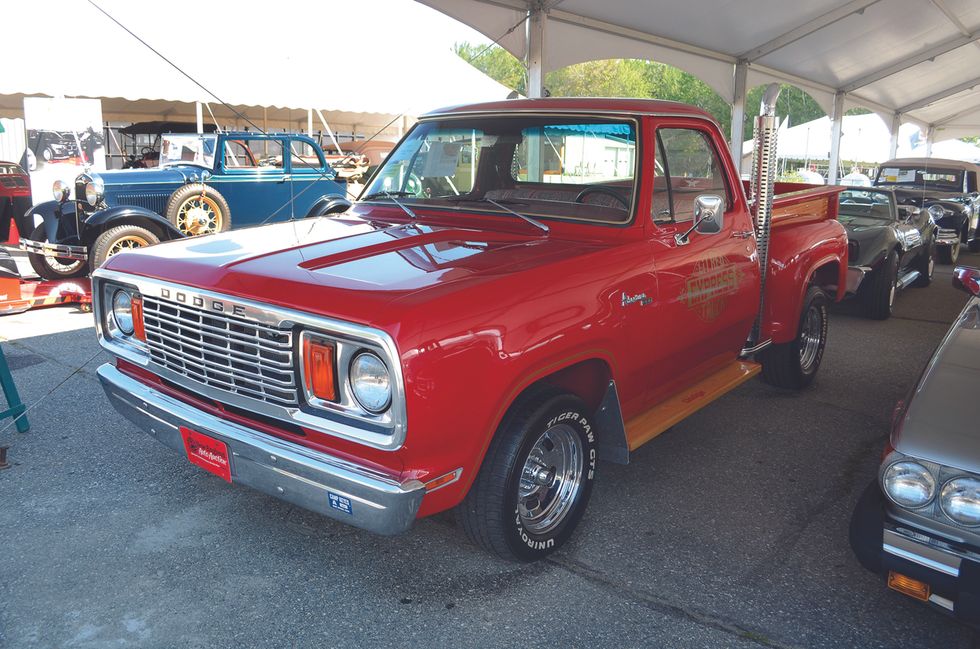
(153,202)
(222,351)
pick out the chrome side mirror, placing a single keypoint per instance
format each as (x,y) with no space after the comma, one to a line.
(967,280)
(709,218)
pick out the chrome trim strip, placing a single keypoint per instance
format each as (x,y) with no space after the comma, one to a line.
(78,253)
(947,237)
(855,275)
(305,477)
(937,559)
(385,432)
(942,601)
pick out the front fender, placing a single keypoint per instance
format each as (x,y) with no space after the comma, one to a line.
(52,214)
(128,215)
(329,204)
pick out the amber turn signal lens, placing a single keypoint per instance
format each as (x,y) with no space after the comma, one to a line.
(318,367)
(908,586)
(138,329)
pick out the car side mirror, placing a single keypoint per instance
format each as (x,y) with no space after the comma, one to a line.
(908,212)
(967,280)
(709,217)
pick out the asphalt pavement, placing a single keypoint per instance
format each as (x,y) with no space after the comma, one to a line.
(730,530)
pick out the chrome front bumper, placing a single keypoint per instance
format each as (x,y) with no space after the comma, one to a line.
(855,275)
(313,480)
(79,253)
(929,556)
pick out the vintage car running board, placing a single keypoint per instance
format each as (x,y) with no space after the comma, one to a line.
(642,428)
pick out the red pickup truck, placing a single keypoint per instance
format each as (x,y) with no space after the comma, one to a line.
(524,288)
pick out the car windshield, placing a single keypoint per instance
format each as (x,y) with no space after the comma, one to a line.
(917,176)
(872,204)
(10,169)
(580,168)
(197,150)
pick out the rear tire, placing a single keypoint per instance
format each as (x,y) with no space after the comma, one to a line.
(949,254)
(878,296)
(536,479)
(793,365)
(54,267)
(926,265)
(120,238)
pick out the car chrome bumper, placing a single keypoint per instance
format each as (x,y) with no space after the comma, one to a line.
(947,237)
(856,275)
(78,253)
(302,476)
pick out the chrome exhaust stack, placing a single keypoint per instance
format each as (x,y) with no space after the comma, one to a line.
(761,191)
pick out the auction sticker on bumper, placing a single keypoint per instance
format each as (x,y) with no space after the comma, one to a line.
(206,452)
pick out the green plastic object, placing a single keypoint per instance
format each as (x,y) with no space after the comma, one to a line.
(15,408)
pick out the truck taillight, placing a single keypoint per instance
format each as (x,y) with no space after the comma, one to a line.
(139,330)
(319,369)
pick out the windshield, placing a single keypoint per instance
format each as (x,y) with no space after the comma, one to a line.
(197,150)
(934,177)
(864,203)
(580,168)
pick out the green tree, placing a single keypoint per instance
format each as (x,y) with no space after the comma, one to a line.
(495,62)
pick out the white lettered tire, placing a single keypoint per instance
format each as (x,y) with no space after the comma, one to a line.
(536,479)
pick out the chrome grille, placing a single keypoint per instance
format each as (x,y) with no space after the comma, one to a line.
(226,352)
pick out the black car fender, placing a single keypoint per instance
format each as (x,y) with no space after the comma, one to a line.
(329,204)
(954,221)
(53,214)
(110,217)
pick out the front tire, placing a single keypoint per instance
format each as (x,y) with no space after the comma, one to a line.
(197,209)
(878,296)
(536,479)
(949,254)
(793,365)
(119,239)
(926,265)
(54,267)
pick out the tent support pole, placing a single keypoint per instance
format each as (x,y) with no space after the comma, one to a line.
(323,120)
(535,52)
(836,124)
(893,145)
(930,140)
(738,112)
(309,122)
(199,110)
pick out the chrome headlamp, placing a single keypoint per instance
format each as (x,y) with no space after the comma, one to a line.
(370,382)
(936,211)
(94,191)
(60,190)
(960,500)
(908,484)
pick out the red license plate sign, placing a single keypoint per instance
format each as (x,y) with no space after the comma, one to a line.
(206,452)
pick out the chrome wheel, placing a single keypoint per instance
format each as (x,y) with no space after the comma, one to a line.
(932,262)
(550,479)
(811,336)
(891,294)
(127,243)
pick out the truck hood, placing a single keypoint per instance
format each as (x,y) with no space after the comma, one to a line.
(940,421)
(347,267)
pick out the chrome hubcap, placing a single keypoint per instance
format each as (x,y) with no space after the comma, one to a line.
(810,338)
(932,264)
(891,295)
(550,480)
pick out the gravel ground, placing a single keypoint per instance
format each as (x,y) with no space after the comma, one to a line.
(730,530)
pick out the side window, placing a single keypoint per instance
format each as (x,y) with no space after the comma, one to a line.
(303,156)
(249,154)
(691,167)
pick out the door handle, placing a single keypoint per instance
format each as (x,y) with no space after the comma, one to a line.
(285,177)
(742,234)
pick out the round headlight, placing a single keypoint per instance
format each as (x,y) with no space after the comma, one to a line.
(93,192)
(937,211)
(960,500)
(60,190)
(909,484)
(370,382)
(122,311)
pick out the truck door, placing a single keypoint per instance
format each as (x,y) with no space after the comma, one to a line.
(709,283)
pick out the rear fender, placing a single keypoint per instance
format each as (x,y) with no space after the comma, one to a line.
(128,215)
(815,253)
(329,204)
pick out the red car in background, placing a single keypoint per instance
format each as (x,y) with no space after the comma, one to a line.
(15,200)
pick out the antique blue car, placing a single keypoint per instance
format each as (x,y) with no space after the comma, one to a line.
(205,183)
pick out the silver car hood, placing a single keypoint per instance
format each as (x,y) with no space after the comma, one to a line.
(942,421)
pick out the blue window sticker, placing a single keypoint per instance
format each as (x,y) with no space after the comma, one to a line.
(339,502)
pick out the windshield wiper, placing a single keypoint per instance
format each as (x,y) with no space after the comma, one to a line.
(386,194)
(391,196)
(534,222)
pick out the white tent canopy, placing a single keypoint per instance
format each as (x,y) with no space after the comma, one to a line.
(353,58)
(913,61)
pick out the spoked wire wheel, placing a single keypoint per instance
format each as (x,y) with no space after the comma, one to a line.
(129,242)
(199,215)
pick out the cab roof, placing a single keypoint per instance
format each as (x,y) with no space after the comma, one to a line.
(932,162)
(612,106)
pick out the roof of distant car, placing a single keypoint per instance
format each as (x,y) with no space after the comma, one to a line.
(579,104)
(932,162)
